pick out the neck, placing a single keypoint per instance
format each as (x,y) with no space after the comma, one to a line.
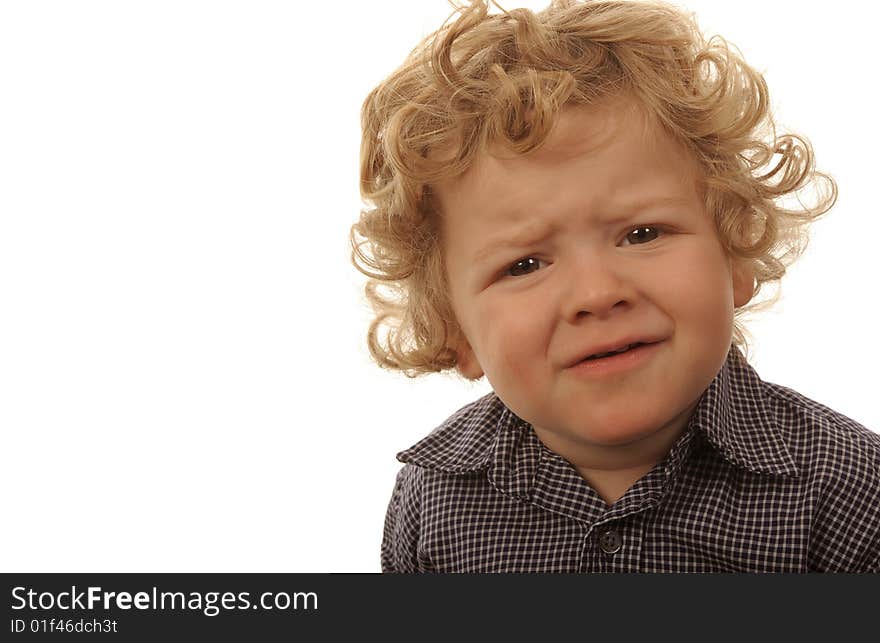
(612,468)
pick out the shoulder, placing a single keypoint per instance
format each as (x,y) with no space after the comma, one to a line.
(463,443)
(433,469)
(824,438)
(838,460)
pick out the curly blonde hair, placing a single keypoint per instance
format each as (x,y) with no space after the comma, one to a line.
(503,78)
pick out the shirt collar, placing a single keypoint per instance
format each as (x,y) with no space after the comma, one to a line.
(732,414)
(735,416)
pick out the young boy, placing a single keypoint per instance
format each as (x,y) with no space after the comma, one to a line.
(576,204)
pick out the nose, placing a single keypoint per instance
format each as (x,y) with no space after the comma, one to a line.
(596,285)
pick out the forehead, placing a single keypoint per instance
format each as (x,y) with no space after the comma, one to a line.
(600,155)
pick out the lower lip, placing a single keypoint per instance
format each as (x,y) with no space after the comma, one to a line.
(619,363)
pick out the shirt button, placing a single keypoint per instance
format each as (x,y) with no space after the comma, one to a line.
(610,541)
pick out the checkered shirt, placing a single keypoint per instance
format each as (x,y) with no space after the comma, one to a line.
(763,479)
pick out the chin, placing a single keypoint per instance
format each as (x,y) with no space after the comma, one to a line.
(622,425)
(618,438)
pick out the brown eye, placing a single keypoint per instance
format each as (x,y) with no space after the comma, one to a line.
(523,267)
(643,234)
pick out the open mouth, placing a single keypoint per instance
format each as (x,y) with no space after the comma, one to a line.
(625,349)
(617,362)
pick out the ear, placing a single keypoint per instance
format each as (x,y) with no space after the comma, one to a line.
(466,362)
(743,282)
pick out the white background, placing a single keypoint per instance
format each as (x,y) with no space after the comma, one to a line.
(184,381)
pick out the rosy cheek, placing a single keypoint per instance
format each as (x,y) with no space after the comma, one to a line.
(710,299)
(494,329)
(702,271)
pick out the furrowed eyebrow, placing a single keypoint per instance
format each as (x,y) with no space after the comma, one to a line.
(535,233)
(525,236)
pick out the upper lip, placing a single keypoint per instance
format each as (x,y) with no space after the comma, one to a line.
(613,346)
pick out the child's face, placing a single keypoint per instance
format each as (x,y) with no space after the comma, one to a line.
(583,273)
